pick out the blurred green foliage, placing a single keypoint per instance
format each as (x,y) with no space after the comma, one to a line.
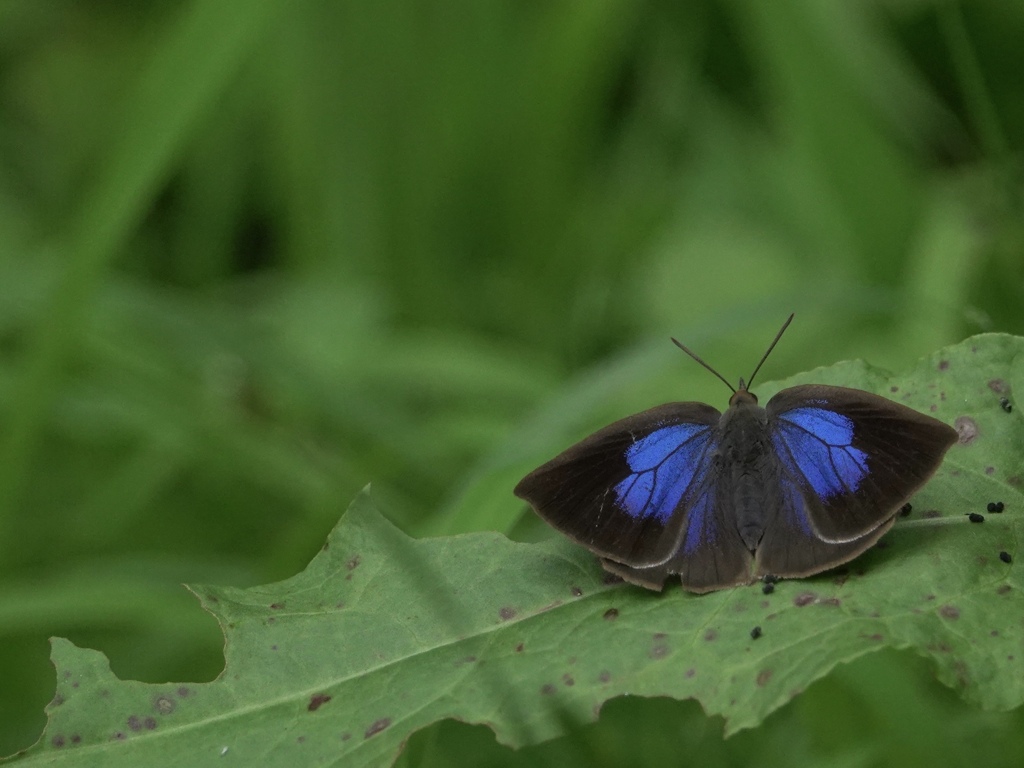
(257,254)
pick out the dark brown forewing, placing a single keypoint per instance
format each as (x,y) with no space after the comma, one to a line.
(575,491)
(902,449)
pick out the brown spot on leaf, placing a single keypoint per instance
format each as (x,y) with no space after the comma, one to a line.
(164,705)
(950,612)
(184,692)
(57,741)
(276,606)
(831,601)
(998,386)
(577,592)
(804,598)
(990,470)
(967,429)
(134,724)
(377,726)
(711,635)
(547,689)
(76,738)
(611,614)
(519,648)
(763,677)
(507,613)
(604,676)
(944,365)
(567,680)
(317,700)
(690,672)
(1003,589)
(660,648)
(150,723)
(353,562)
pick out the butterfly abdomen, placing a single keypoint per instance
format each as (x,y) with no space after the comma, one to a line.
(745,459)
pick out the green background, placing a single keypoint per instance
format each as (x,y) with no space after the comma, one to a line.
(256,254)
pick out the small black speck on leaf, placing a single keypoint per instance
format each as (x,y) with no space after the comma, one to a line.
(755,633)
(768,588)
(611,614)
(1005,557)
(974,517)
(577,592)
(906,509)
(1005,404)
(995,506)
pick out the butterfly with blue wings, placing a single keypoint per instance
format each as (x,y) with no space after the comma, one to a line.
(802,485)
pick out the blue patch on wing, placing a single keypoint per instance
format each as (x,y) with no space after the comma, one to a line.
(818,444)
(794,510)
(700,526)
(665,464)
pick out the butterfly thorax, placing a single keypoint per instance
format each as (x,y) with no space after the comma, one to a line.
(745,457)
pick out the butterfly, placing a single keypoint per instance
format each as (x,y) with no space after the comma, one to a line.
(806,483)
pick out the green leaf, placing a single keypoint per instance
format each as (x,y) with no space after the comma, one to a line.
(382,635)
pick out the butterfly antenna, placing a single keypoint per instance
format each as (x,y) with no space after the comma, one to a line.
(771,346)
(696,357)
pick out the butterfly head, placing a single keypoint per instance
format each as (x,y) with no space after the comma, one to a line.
(742,396)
